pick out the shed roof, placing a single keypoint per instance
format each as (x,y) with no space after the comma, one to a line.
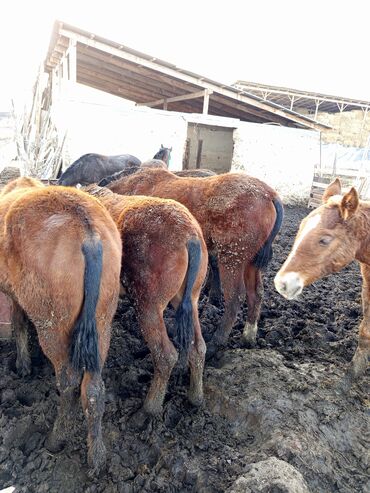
(147,80)
(309,101)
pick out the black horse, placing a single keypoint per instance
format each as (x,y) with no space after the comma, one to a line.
(164,154)
(91,168)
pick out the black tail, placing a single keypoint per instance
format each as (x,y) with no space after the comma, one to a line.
(84,350)
(264,254)
(184,313)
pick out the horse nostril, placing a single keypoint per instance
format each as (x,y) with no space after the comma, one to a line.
(283,286)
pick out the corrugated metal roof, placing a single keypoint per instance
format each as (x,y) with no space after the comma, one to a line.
(302,100)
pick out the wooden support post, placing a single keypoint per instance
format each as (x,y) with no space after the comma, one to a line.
(199,154)
(185,160)
(205,102)
(72,59)
(165,104)
(317,103)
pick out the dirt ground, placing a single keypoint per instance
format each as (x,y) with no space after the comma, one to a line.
(279,400)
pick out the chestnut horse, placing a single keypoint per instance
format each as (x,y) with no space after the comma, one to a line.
(60,258)
(328,239)
(165,261)
(239,216)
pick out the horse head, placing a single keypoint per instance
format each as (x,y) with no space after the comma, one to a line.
(164,154)
(328,239)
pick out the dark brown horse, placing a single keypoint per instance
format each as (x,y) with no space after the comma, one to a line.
(165,261)
(329,238)
(60,257)
(240,217)
(156,163)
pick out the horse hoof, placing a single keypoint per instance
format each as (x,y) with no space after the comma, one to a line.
(153,408)
(214,300)
(97,456)
(212,348)
(139,420)
(53,445)
(248,342)
(23,369)
(196,399)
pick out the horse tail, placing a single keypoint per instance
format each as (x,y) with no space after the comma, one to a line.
(184,313)
(84,350)
(264,254)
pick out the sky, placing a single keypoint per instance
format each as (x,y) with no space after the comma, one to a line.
(319,46)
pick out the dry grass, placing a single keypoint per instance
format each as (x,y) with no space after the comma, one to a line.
(39,146)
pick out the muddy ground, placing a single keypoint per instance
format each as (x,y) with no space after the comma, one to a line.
(278,400)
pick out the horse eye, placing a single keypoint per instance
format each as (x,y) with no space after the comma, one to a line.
(325,240)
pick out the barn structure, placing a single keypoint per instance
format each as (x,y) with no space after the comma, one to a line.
(345,146)
(111,99)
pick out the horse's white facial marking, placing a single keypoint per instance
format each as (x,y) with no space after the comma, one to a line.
(311,224)
(289,285)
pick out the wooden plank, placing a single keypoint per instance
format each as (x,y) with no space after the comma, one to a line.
(199,154)
(245,110)
(183,97)
(185,159)
(120,78)
(132,68)
(129,75)
(206,101)
(72,60)
(88,75)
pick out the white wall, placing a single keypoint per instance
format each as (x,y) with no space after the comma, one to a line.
(98,122)
(282,157)
(115,126)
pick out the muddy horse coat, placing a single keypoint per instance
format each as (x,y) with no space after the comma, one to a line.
(164,261)
(329,238)
(239,216)
(60,257)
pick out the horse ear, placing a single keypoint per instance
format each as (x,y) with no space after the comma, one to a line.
(162,146)
(349,204)
(171,149)
(334,188)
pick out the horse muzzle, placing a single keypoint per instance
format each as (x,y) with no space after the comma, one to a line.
(289,285)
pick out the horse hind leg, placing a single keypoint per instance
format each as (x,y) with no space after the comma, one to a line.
(19,325)
(215,292)
(68,382)
(254,295)
(164,356)
(93,404)
(197,354)
(361,357)
(234,292)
